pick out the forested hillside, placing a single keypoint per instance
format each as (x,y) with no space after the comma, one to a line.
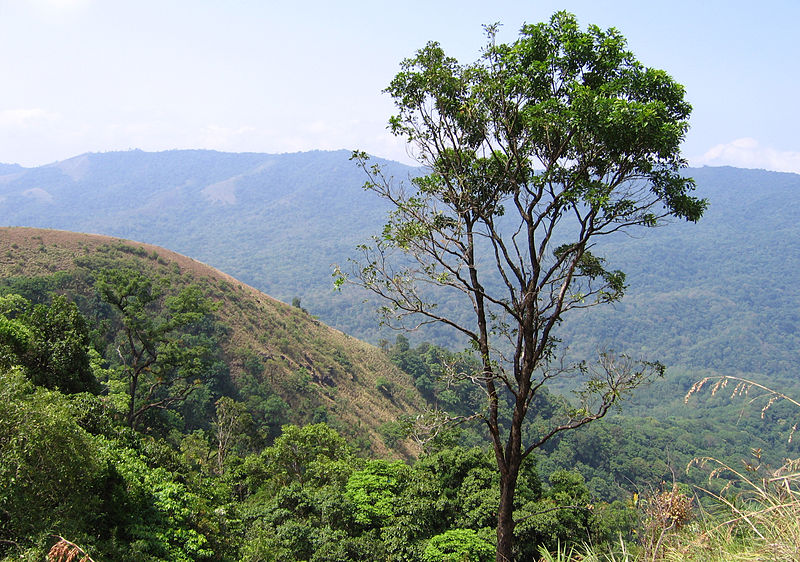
(286,366)
(148,405)
(214,476)
(721,294)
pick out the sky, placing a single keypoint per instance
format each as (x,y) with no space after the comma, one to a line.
(262,76)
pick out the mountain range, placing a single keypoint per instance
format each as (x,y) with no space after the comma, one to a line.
(720,295)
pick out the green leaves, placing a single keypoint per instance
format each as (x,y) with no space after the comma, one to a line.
(459,545)
(48,463)
(300,453)
(51,343)
(374,490)
(15,340)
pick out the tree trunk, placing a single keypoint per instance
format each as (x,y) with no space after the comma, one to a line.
(505,514)
(132,386)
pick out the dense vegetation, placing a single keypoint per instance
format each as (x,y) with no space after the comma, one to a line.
(123,431)
(655,440)
(72,467)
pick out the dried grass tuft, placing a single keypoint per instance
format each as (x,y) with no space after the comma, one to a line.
(66,551)
(665,513)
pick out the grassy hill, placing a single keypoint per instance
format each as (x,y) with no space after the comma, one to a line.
(272,350)
(276,222)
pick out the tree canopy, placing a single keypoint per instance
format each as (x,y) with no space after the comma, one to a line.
(49,341)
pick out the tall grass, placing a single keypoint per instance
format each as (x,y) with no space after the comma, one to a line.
(757,512)
(755,516)
(585,553)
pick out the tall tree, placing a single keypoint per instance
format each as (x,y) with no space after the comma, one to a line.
(534,152)
(162,364)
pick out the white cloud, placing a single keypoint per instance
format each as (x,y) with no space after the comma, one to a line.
(225,138)
(748,153)
(25,118)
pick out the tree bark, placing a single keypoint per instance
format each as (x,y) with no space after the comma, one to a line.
(505,514)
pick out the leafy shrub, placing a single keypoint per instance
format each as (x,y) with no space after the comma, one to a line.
(374,490)
(384,386)
(459,545)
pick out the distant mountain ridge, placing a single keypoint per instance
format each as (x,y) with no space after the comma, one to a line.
(723,294)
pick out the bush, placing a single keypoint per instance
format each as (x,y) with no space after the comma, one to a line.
(385,386)
(459,545)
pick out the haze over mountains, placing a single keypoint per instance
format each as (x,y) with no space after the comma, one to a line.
(723,294)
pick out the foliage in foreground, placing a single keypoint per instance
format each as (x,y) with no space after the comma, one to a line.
(72,469)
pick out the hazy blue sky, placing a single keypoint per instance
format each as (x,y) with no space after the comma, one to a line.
(241,75)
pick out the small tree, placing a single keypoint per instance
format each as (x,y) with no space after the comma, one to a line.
(534,152)
(50,341)
(161,364)
(230,427)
